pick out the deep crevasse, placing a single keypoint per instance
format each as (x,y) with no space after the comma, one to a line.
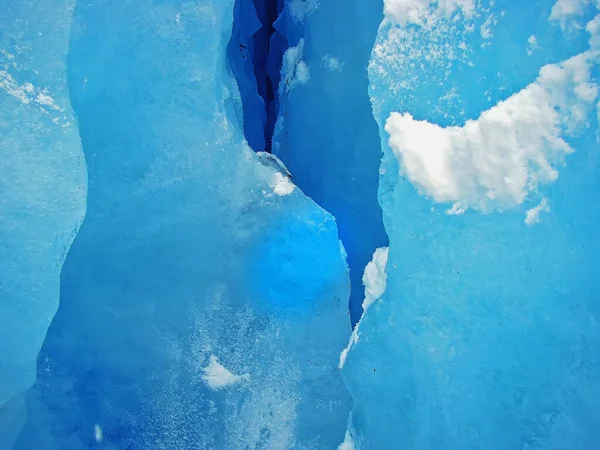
(326,134)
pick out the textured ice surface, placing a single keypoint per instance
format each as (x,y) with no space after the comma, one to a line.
(325,133)
(203,303)
(487,335)
(42,179)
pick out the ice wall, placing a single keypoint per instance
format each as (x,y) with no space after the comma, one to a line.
(487,335)
(203,303)
(42,180)
(325,132)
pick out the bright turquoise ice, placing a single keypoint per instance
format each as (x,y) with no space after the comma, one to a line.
(204,301)
(42,179)
(487,336)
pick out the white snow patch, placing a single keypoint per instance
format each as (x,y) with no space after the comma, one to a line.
(45,99)
(486,29)
(375,282)
(348,443)
(217,376)
(426,13)
(26,93)
(302,73)
(532,44)
(593,27)
(497,160)
(374,277)
(420,40)
(294,70)
(532,216)
(98,435)
(332,63)
(353,340)
(282,185)
(300,9)
(9,85)
(566,12)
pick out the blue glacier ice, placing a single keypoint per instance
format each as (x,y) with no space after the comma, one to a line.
(204,301)
(309,224)
(42,180)
(487,335)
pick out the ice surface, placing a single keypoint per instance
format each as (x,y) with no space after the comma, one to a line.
(487,336)
(42,180)
(203,302)
(325,133)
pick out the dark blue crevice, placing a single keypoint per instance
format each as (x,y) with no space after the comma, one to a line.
(255,52)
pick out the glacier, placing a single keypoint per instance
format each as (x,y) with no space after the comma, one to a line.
(309,224)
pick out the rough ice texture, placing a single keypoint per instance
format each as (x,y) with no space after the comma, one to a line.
(186,255)
(487,336)
(42,180)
